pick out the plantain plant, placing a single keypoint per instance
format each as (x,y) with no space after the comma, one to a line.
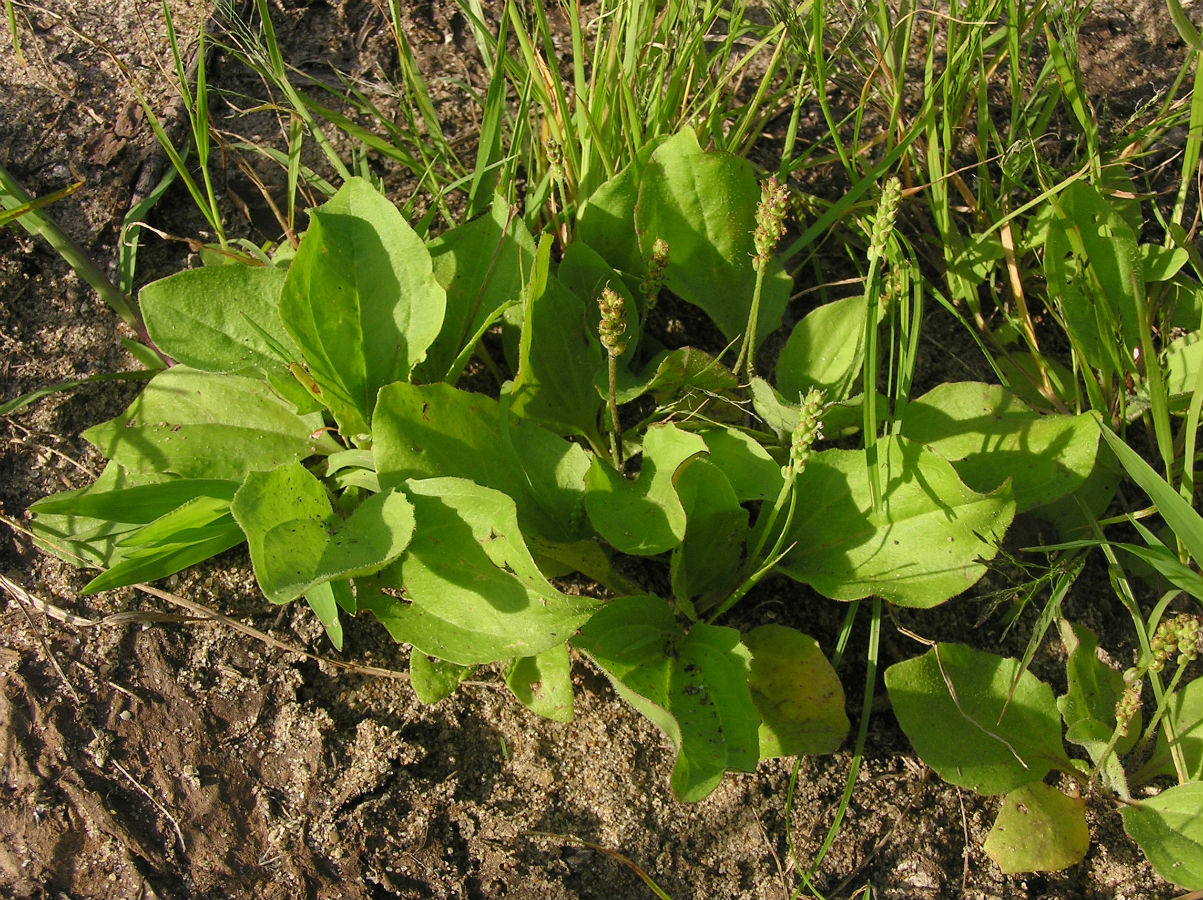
(318,410)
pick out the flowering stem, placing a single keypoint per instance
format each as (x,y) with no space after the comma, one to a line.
(747,347)
(612,400)
(610,329)
(770,226)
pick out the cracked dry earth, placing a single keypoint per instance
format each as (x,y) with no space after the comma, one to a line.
(150,752)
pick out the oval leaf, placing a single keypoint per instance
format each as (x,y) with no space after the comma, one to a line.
(929,539)
(753,474)
(435,679)
(543,683)
(1184,717)
(707,562)
(990,435)
(473,593)
(557,357)
(1088,707)
(297,542)
(704,204)
(645,516)
(952,703)
(437,430)
(215,318)
(825,350)
(201,425)
(361,301)
(693,685)
(1039,829)
(481,265)
(797,693)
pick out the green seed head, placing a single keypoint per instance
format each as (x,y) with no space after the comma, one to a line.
(1127,706)
(657,264)
(807,432)
(1180,636)
(883,220)
(613,322)
(770,219)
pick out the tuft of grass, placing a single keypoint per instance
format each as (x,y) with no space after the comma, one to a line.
(551,128)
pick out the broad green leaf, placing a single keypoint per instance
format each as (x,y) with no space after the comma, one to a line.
(543,683)
(774,410)
(361,301)
(1038,829)
(437,430)
(781,414)
(825,350)
(753,474)
(704,204)
(797,693)
(708,560)
(1094,689)
(606,216)
(1183,520)
(1184,300)
(206,426)
(1169,829)
(693,685)
(481,265)
(435,679)
(557,359)
(1073,515)
(588,557)
(297,541)
(473,593)
(1159,263)
(202,317)
(989,435)
(956,706)
(606,221)
(929,541)
(643,517)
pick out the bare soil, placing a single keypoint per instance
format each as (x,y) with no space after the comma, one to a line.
(169,758)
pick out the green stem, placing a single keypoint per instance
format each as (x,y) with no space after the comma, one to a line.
(759,566)
(612,402)
(748,347)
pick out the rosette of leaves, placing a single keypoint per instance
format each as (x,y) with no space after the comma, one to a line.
(314,414)
(294,420)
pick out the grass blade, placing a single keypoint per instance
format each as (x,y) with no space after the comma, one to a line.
(1186,524)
